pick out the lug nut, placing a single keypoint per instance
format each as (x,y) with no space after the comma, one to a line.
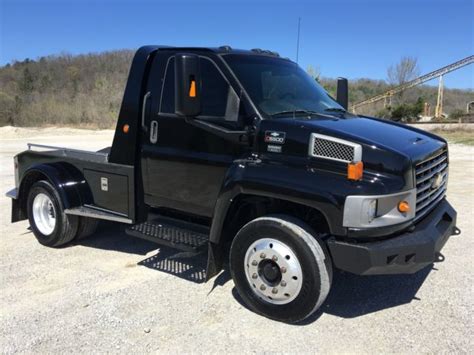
(254,276)
(254,263)
(275,290)
(274,258)
(283,269)
(283,283)
(263,288)
(263,256)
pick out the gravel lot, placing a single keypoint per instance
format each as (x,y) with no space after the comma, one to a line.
(113,293)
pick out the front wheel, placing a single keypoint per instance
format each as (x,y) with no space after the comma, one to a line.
(281,268)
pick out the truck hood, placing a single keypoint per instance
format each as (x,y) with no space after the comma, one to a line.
(413,143)
(388,148)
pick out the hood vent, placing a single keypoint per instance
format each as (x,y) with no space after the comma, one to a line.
(327,147)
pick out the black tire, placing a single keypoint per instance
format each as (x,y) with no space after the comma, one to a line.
(311,253)
(65,227)
(87,227)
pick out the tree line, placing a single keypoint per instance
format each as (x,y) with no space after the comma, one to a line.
(64,89)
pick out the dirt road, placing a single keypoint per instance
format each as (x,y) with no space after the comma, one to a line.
(114,293)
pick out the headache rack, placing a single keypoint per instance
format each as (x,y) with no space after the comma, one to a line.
(431,183)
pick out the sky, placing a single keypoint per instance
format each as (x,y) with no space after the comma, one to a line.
(354,39)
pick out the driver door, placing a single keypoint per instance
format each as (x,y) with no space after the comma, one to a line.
(185,164)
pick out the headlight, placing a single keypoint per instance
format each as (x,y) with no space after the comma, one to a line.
(380,210)
(371,210)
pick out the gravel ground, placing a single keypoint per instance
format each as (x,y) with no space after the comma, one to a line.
(113,293)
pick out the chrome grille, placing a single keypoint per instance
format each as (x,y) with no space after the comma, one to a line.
(328,147)
(431,183)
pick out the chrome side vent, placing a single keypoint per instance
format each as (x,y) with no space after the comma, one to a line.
(327,147)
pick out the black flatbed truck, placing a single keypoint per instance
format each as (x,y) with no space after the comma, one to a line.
(242,153)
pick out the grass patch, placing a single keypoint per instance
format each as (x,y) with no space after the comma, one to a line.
(457,136)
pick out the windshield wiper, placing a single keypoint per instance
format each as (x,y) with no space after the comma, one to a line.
(294,112)
(335,109)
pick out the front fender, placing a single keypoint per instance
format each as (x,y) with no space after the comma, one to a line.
(291,183)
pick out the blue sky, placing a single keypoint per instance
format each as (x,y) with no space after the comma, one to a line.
(340,37)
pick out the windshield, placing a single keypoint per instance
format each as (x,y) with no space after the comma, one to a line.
(280,87)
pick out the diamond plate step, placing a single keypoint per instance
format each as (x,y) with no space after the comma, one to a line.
(174,233)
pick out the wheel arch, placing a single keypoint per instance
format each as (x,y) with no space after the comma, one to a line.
(227,208)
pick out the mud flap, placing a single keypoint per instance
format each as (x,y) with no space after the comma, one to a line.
(214,260)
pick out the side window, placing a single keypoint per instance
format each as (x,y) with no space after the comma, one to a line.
(215,90)
(218,99)
(167,96)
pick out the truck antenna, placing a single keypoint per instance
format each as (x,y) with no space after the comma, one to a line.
(298,40)
(297,57)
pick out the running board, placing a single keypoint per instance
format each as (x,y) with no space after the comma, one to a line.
(86,211)
(173,233)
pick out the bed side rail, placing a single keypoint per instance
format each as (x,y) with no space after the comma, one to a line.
(71,153)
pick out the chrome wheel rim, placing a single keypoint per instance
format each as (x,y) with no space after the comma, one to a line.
(273,271)
(44,214)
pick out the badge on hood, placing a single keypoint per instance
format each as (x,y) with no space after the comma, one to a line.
(275,137)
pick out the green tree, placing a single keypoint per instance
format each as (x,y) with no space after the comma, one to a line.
(26,84)
(313,72)
(456,114)
(407,112)
(7,109)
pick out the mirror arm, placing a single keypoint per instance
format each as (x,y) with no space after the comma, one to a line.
(240,137)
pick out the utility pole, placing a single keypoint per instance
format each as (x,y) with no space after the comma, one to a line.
(439,102)
(427,110)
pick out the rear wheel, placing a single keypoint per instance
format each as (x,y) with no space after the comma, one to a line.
(87,227)
(50,225)
(280,268)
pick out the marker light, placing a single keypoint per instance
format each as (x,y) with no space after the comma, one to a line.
(404,206)
(355,170)
(192,89)
(126,128)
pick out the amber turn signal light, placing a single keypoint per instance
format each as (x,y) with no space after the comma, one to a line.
(355,170)
(192,89)
(126,128)
(403,207)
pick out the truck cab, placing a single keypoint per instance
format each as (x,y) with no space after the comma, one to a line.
(244,155)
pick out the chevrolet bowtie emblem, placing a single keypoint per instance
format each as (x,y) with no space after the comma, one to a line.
(437,180)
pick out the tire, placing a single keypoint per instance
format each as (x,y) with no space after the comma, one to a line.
(296,283)
(50,225)
(87,227)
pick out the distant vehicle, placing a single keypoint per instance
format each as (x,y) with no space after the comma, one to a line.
(242,153)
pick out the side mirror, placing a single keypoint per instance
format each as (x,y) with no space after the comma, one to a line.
(342,92)
(187,85)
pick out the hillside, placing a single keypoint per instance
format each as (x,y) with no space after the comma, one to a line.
(87,90)
(64,90)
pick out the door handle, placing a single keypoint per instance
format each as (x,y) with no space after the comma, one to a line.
(154,132)
(145,98)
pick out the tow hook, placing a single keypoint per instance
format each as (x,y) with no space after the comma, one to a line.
(456,231)
(439,258)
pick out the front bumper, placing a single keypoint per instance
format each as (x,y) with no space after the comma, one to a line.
(403,254)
